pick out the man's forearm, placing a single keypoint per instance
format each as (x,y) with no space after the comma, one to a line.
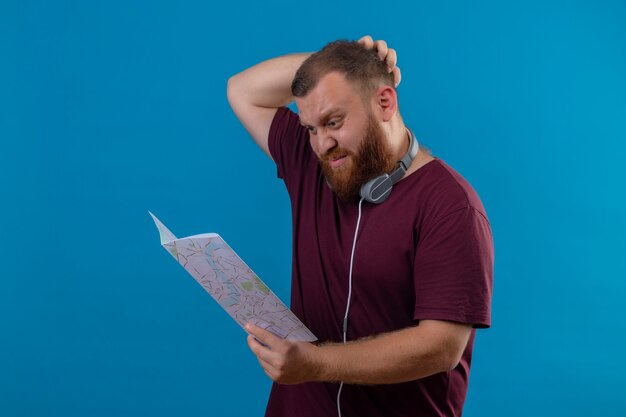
(405,355)
(256,93)
(267,84)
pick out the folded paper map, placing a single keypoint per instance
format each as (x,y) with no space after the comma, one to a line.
(218,269)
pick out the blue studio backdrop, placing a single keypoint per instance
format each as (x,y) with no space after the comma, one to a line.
(111,109)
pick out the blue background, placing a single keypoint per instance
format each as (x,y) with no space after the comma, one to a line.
(111,109)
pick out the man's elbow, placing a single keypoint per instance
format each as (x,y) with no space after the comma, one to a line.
(451,356)
(231,89)
(450,361)
(237,99)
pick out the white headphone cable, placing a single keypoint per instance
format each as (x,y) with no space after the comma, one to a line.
(345,318)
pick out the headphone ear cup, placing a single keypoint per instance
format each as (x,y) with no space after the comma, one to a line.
(377,190)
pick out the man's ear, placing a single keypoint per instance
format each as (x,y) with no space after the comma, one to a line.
(386,101)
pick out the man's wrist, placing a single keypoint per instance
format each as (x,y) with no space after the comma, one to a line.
(323,363)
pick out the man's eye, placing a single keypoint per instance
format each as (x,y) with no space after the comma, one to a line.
(334,123)
(311,129)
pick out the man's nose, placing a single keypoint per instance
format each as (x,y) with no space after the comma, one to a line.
(324,141)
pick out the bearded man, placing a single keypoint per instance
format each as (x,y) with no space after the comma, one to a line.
(393,286)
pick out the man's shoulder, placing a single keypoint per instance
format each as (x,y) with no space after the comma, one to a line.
(284,116)
(445,190)
(289,147)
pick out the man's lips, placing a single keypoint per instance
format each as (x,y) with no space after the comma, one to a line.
(337,161)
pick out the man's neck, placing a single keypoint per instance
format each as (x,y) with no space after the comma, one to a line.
(400,145)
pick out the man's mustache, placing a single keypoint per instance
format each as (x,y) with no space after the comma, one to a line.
(335,153)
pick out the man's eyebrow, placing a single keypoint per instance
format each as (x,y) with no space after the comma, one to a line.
(324,118)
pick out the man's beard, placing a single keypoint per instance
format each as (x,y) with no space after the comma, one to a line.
(374,157)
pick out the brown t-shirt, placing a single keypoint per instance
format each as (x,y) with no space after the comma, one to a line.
(425,253)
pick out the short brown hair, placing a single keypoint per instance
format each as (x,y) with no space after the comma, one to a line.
(359,65)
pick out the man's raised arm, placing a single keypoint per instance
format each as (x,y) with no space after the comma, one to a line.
(256,93)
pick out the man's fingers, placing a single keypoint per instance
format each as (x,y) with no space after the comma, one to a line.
(381,48)
(391,59)
(263,353)
(260,353)
(255,346)
(267,366)
(367,41)
(397,76)
(258,348)
(386,54)
(263,336)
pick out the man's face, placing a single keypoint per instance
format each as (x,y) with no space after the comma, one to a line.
(345,135)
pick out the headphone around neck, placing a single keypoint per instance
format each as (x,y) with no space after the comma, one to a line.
(378,189)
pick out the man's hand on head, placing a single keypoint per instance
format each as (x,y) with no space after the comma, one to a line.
(386,54)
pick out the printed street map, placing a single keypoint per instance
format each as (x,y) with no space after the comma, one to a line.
(218,269)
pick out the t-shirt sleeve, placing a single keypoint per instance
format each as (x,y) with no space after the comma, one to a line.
(454,270)
(288,143)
